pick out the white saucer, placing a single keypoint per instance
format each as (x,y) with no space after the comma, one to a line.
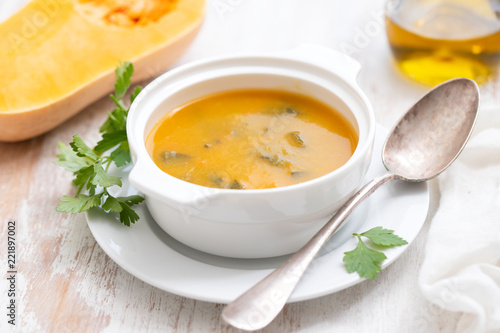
(147,252)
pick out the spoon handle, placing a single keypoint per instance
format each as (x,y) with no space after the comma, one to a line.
(258,306)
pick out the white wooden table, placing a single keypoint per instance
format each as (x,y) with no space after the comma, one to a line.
(66,283)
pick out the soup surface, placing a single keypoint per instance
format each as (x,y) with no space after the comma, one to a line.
(251,139)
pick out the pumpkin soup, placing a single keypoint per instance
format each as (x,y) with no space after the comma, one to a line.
(251,139)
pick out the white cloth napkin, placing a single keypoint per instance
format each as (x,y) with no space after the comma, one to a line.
(461,269)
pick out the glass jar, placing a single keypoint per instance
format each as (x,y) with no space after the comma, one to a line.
(436,40)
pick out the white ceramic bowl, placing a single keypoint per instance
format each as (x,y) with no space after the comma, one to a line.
(251,223)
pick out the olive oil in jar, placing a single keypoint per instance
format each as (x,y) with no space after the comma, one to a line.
(437,40)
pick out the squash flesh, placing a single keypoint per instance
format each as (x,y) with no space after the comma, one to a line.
(45,60)
(126,13)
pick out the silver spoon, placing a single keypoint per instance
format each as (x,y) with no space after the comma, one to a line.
(423,144)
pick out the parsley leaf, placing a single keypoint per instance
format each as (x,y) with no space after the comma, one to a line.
(122,205)
(123,79)
(127,215)
(117,120)
(81,149)
(102,178)
(131,199)
(83,175)
(90,166)
(78,205)
(111,139)
(121,156)
(112,204)
(384,237)
(366,261)
(69,160)
(136,92)
(119,104)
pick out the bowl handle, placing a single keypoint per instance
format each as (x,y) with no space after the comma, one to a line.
(336,62)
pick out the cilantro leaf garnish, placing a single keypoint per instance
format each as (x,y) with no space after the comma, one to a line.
(90,166)
(367,262)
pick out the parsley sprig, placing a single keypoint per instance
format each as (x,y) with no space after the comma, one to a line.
(367,261)
(90,166)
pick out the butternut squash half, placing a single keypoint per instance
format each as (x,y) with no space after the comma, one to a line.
(58,56)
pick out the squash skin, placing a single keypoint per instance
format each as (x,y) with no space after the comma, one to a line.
(76,73)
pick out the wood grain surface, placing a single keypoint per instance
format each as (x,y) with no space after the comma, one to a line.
(66,283)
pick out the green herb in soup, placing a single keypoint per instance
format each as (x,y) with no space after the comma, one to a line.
(251,139)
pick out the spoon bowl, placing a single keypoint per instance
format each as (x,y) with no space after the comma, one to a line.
(431,135)
(425,141)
